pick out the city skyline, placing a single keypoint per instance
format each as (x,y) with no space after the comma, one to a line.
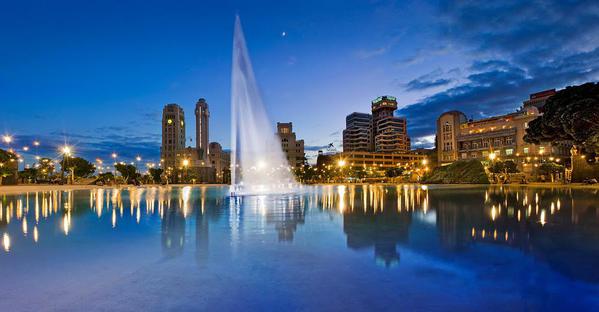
(101,83)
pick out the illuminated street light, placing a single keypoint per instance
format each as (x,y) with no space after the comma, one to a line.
(7,138)
(36,143)
(66,150)
(424,162)
(138,158)
(492,156)
(114,155)
(25,148)
(341,163)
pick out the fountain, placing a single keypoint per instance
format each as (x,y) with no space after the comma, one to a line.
(258,163)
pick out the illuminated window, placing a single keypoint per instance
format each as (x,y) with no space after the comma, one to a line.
(526,150)
(509,151)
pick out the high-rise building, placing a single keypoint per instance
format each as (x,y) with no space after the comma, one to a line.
(357,135)
(202,117)
(293,148)
(173,134)
(390,134)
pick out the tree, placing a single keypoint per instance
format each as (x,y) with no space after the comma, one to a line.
(7,168)
(105,177)
(394,172)
(510,167)
(127,171)
(81,168)
(45,167)
(357,172)
(507,166)
(156,174)
(550,168)
(570,115)
(29,174)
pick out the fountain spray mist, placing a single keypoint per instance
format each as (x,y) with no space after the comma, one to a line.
(258,163)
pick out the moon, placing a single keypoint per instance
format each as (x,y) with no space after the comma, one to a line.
(284,34)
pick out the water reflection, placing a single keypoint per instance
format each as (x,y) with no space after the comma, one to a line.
(556,226)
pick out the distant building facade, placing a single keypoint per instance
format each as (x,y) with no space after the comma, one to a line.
(459,138)
(195,163)
(220,160)
(292,147)
(173,135)
(357,135)
(380,132)
(381,161)
(202,127)
(538,99)
(390,133)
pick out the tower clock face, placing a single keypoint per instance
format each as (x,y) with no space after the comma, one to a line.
(182,123)
(170,121)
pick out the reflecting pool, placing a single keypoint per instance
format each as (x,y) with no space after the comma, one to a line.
(331,248)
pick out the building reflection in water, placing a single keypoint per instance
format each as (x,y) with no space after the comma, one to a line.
(376,216)
(283,212)
(558,225)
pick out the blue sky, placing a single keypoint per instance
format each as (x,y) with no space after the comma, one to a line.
(96,74)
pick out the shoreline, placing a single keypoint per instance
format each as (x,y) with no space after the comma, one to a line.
(27,188)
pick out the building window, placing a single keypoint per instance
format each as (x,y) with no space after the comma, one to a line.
(541,150)
(485,143)
(509,151)
(464,155)
(509,141)
(526,150)
(485,153)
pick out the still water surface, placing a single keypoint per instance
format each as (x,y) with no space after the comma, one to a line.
(334,248)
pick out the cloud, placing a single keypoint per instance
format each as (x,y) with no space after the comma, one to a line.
(519,47)
(427,81)
(426,141)
(366,54)
(315,147)
(419,84)
(381,50)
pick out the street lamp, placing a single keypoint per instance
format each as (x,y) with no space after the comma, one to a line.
(7,139)
(185,165)
(492,156)
(66,152)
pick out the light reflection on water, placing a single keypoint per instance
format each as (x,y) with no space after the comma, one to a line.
(555,228)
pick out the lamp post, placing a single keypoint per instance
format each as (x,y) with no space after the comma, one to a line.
(114,156)
(185,165)
(66,153)
(341,163)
